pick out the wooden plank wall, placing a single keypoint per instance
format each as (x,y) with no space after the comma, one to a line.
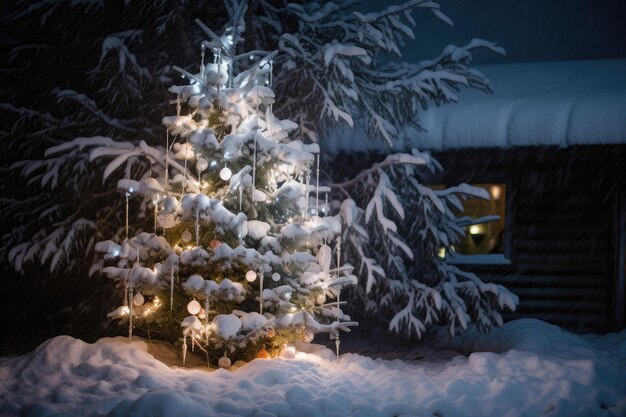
(560,228)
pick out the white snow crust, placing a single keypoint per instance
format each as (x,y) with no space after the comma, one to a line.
(526,368)
(560,103)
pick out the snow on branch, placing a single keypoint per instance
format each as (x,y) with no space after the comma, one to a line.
(401,276)
(340,54)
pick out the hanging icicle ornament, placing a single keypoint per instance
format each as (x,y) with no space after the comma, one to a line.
(184,348)
(306,195)
(182,193)
(225,173)
(261,293)
(127,194)
(224,361)
(338,248)
(202,61)
(317,187)
(324,211)
(138,299)
(130,314)
(240,196)
(254,167)
(193,307)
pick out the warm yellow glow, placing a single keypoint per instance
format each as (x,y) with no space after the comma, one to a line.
(475,229)
(441,252)
(496,192)
(156,303)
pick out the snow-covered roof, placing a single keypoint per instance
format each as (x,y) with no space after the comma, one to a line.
(545,103)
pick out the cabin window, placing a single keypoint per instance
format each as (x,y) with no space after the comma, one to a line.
(483,242)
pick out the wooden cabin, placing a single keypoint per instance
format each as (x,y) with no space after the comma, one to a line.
(550,147)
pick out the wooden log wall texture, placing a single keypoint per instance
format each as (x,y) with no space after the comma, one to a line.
(560,225)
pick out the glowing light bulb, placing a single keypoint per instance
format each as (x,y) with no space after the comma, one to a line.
(225,173)
(250,276)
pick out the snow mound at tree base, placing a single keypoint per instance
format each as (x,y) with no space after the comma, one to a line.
(539,370)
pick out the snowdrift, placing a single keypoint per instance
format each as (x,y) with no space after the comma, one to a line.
(526,368)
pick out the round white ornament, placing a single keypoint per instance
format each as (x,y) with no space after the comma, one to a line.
(308,337)
(138,299)
(225,173)
(250,276)
(193,307)
(202,164)
(276,276)
(224,362)
(186,236)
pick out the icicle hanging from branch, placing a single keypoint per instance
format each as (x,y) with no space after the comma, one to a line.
(306,195)
(167,157)
(202,62)
(127,195)
(254,169)
(182,193)
(338,248)
(261,291)
(317,188)
(130,313)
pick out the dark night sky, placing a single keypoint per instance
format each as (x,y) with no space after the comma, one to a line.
(529,30)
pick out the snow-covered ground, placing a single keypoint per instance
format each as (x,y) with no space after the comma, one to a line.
(527,368)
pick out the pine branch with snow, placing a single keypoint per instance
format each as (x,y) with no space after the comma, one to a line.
(401,277)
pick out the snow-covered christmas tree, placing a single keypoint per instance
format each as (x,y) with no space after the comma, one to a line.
(243,258)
